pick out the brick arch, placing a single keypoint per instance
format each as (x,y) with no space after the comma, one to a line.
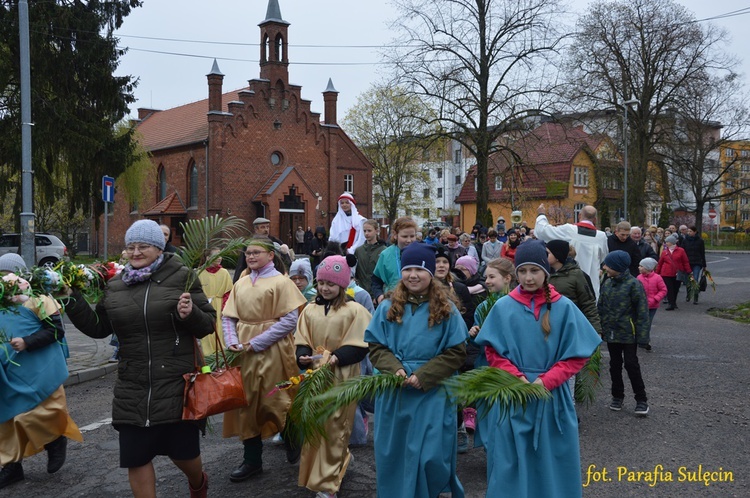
(226,132)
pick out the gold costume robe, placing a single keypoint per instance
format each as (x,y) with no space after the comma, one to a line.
(26,434)
(323,467)
(258,306)
(215,285)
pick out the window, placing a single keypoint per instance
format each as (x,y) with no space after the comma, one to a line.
(426,213)
(577,210)
(457,156)
(728,152)
(745,216)
(193,187)
(426,193)
(440,192)
(619,214)
(655,215)
(458,179)
(730,184)
(162,183)
(498,182)
(745,167)
(276,158)
(728,215)
(476,185)
(744,200)
(745,153)
(580,177)
(349,183)
(440,173)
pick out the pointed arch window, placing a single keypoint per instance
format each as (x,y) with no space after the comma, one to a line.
(193,185)
(278,47)
(162,182)
(264,48)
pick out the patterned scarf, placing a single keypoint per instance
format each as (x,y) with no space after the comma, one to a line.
(132,275)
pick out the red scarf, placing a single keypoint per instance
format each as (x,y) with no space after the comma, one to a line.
(536,298)
(214,269)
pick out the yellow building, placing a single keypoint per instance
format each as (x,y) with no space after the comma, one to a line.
(734,210)
(561,166)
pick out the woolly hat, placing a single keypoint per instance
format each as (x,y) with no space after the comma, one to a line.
(335,269)
(618,261)
(147,232)
(301,268)
(559,249)
(532,252)
(13,262)
(672,239)
(419,255)
(648,263)
(441,252)
(469,263)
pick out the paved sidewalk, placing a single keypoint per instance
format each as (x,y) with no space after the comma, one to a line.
(89,358)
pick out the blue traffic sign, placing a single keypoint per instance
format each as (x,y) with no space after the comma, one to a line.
(108,189)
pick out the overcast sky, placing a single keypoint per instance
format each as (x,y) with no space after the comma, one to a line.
(335,39)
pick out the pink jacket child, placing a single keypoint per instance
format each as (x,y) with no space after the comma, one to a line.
(653,284)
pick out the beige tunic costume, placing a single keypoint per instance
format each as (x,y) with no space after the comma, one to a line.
(257,306)
(322,467)
(26,434)
(215,285)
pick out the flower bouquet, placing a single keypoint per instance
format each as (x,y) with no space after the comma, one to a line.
(14,290)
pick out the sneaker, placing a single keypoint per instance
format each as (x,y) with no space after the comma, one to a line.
(115,357)
(463,440)
(641,409)
(470,419)
(277,439)
(647,347)
(11,473)
(323,494)
(616,404)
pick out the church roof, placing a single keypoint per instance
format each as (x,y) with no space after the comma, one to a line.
(171,204)
(273,13)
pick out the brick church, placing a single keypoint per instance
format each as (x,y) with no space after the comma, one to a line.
(256,151)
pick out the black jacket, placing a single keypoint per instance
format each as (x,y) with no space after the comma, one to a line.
(156,346)
(695,249)
(630,247)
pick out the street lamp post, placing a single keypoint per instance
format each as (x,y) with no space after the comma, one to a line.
(625,107)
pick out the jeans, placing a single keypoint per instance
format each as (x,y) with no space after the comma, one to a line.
(673,287)
(630,353)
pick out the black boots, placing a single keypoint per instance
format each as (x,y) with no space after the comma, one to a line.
(13,472)
(56,451)
(252,463)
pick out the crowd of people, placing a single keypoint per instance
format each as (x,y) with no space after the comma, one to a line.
(534,302)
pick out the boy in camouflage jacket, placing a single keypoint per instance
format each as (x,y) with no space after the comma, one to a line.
(623,309)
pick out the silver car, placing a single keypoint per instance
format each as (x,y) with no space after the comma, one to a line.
(49,249)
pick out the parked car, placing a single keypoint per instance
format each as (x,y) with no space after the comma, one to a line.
(49,249)
(437,225)
(727,229)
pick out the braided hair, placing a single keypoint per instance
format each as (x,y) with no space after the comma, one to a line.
(546,328)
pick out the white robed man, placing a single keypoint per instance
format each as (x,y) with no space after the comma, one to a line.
(590,244)
(346,227)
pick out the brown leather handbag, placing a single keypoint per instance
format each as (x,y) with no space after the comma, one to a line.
(212,392)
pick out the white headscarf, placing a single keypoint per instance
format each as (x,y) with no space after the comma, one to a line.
(342,225)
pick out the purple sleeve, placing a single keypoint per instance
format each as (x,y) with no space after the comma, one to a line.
(285,326)
(229,326)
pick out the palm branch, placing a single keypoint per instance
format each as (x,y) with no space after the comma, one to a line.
(483,309)
(588,380)
(493,386)
(710,279)
(306,425)
(693,288)
(232,357)
(224,234)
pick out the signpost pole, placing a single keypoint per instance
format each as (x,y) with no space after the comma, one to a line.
(108,196)
(106,222)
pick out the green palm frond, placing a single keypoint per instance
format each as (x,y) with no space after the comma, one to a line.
(493,386)
(355,390)
(693,289)
(306,424)
(225,234)
(588,380)
(232,359)
(484,307)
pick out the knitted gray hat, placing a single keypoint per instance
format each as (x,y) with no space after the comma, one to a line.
(12,262)
(672,239)
(147,232)
(648,263)
(301,267)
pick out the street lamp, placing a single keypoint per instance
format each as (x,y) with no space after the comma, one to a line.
(625,106)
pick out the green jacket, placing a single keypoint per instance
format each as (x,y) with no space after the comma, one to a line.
(367,257)
(156,346)
(571,282)
(623,309)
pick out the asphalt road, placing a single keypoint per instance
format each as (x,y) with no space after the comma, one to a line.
(697,379)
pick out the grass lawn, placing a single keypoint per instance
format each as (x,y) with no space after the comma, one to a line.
(739,313)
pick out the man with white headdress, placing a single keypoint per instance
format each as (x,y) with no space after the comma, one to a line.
(346,227)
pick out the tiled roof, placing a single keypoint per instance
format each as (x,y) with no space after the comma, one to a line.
(181,125)
(171,204)
(546,156)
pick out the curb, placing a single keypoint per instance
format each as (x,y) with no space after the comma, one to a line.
(725,251)
(89,374)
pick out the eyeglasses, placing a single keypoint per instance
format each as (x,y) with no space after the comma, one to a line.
(139,247)
(254,254)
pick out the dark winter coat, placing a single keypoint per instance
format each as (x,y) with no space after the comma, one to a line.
(695,249)
(646,250)
(367,258)
(570,281)
(156,346)
(623,310)
(630,247)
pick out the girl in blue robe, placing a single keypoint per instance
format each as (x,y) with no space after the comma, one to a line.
(418,334)
(541,337)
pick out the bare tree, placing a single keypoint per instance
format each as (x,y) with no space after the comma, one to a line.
(691,153)
(643,49)
(391,129)
(482,64)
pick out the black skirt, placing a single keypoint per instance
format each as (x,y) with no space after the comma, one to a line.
(139,445)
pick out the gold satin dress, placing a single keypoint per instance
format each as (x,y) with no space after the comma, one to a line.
(26,434)
(257,306)
(322,467)
(215,285)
